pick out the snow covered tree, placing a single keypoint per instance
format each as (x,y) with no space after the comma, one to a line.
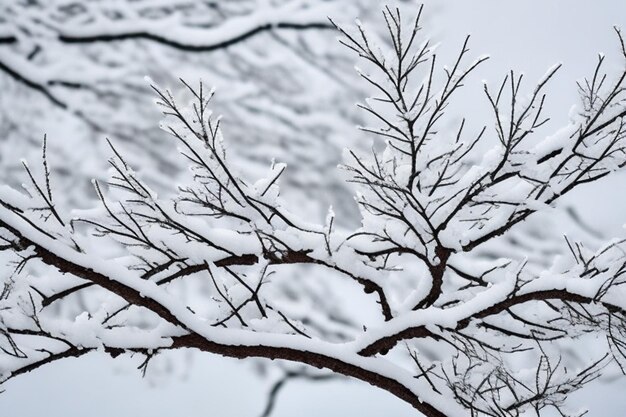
(461,327)
(280,72)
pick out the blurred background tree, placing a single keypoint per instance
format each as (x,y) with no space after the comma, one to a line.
(283,81)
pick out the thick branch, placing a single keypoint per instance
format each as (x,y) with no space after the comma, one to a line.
(190,47)
(386,343)
(291,257)
(313,359)
(127,293)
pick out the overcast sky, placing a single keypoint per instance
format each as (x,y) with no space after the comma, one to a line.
(526,35)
